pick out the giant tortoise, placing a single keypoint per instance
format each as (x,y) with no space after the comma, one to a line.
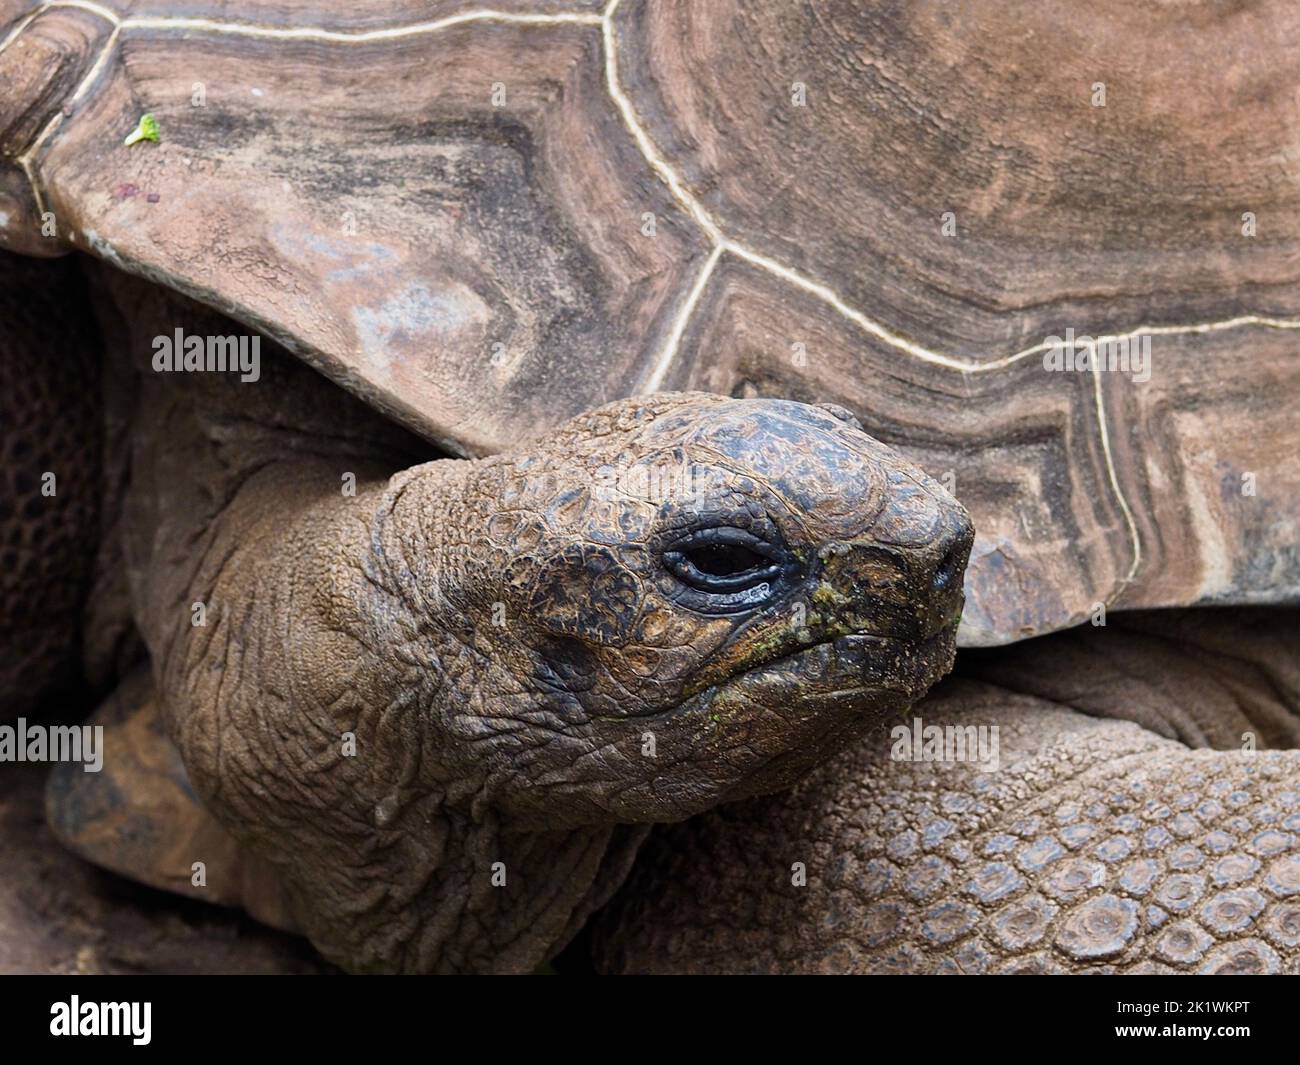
(643,320)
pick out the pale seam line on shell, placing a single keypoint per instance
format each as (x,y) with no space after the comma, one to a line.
(19,26)
(106,13)
(98,65)
(666,358)
(25,160)
(1111,472)
(309,33)
(666,173)
(252,29)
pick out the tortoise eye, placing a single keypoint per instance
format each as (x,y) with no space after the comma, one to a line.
(724,561)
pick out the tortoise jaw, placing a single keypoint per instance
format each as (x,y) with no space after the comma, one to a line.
(858,664)
(851,674)
(767,727)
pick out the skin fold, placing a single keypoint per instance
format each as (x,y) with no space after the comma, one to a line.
(442,701)
(1142,816)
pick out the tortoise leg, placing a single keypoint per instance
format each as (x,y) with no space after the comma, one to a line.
(138,816)
(1089,844)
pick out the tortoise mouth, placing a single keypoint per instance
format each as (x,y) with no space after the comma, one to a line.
(762,729)
(842,674)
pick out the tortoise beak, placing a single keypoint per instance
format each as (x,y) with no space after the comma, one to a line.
(907,592)
(945,578)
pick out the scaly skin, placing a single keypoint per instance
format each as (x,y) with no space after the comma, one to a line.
(1098,845)
(527,675)
(50,427)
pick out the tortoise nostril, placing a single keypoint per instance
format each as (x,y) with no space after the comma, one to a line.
(949,569)
(947,575)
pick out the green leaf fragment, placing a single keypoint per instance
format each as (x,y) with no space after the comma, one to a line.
(146,130)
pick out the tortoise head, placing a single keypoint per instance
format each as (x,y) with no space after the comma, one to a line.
(689,599)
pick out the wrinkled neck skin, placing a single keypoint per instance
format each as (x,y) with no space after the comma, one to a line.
(330,711)
(308,665)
